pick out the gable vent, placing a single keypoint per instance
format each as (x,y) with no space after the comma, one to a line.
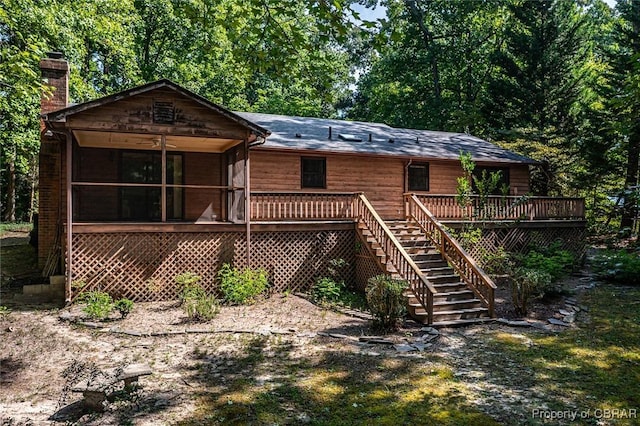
(163,112)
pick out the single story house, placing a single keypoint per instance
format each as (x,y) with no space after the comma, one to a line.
(139,186)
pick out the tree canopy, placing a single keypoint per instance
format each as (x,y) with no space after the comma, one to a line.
(556,80)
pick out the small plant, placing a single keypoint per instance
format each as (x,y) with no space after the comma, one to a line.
(497,262)
(197,304)
(78,285)
(4,311)
(621,267)
(386,301)
(242,287)
(326,290)
(98,304)
(124,306)
(525,284)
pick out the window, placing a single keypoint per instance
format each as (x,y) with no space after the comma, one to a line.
(314,173)
(502,182)
(418,177)
(143,203)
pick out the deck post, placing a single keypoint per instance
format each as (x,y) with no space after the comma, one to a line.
(247,201)
(69,212)
(163,190)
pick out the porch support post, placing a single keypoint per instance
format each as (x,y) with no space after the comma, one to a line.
(163,191)
(69,220)
(247,200)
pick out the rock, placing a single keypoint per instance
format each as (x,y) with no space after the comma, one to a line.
(555,321)
(430,330)
(429,337)
(338,336)
(583,308)
(569,318)
(371,353)
(570,301)
(516,323)
(380,342)
(66,316)
(419,346)
(90,324)
(404,348)
(303,418)
(564,312)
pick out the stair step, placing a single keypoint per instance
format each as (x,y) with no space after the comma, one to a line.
(461,322)
(429,264)
(416,242)
(442,270)
(449,287)
(444,279)
(454,315)
(426,257)
(455,295)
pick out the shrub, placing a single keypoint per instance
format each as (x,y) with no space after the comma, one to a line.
(98,304)
(197,304)
(242,287)
(124,306)
(618,266)
(386,301)
(552,260)
(497,262)
(326,290)
(525,284)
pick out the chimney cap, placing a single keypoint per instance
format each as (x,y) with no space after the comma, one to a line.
(55,55)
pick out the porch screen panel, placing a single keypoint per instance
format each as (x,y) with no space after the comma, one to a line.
(235,168)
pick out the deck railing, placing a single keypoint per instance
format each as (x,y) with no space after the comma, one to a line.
(445,207)
(451,250)
(395,254)
(283,206)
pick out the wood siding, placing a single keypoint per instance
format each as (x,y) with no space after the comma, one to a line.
(382,179)
(135,114)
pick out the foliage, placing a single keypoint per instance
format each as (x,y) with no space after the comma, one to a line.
(525,284)
(124,306)
(551,260)
(98,304)
(498,262)
(326,290)
(386,300)
(622,267)
(197,304)
(242,287)
(4,311)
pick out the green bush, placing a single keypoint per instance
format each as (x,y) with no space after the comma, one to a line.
(497,262)
(326,290)
(552,260)
(386,301)
(124,306)
(527,283)
(242,287)
(98,304)
(197,304)
(621,267)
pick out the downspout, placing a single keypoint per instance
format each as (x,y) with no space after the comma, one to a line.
(406,182)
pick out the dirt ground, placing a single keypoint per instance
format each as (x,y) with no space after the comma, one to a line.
(45,350)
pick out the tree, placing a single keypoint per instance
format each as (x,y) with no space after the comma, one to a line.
(623,86)
(533,98)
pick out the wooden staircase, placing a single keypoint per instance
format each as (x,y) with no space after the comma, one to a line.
(453,303)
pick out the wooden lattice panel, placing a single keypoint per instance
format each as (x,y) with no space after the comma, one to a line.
(366,267)
(522,239)
(295,260)
(142,266)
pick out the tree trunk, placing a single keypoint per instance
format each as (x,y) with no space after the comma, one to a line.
(631,181)
(10,206)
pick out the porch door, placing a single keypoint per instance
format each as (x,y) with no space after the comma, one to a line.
(236,180)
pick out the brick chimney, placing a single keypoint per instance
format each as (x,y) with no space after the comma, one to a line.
(52,181)
(55,73)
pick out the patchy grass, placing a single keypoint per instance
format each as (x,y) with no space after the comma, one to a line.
(15,227)
(595,367)
(332,388)
(20,260)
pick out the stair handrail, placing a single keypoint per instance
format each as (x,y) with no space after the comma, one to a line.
(419,285)
(464,265)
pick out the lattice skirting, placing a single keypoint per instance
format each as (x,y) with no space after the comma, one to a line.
(142,266)
(366,267)
(522,239)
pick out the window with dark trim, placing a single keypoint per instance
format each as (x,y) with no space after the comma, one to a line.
(314,172)
(502,182)
(418,177)
(143,203)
